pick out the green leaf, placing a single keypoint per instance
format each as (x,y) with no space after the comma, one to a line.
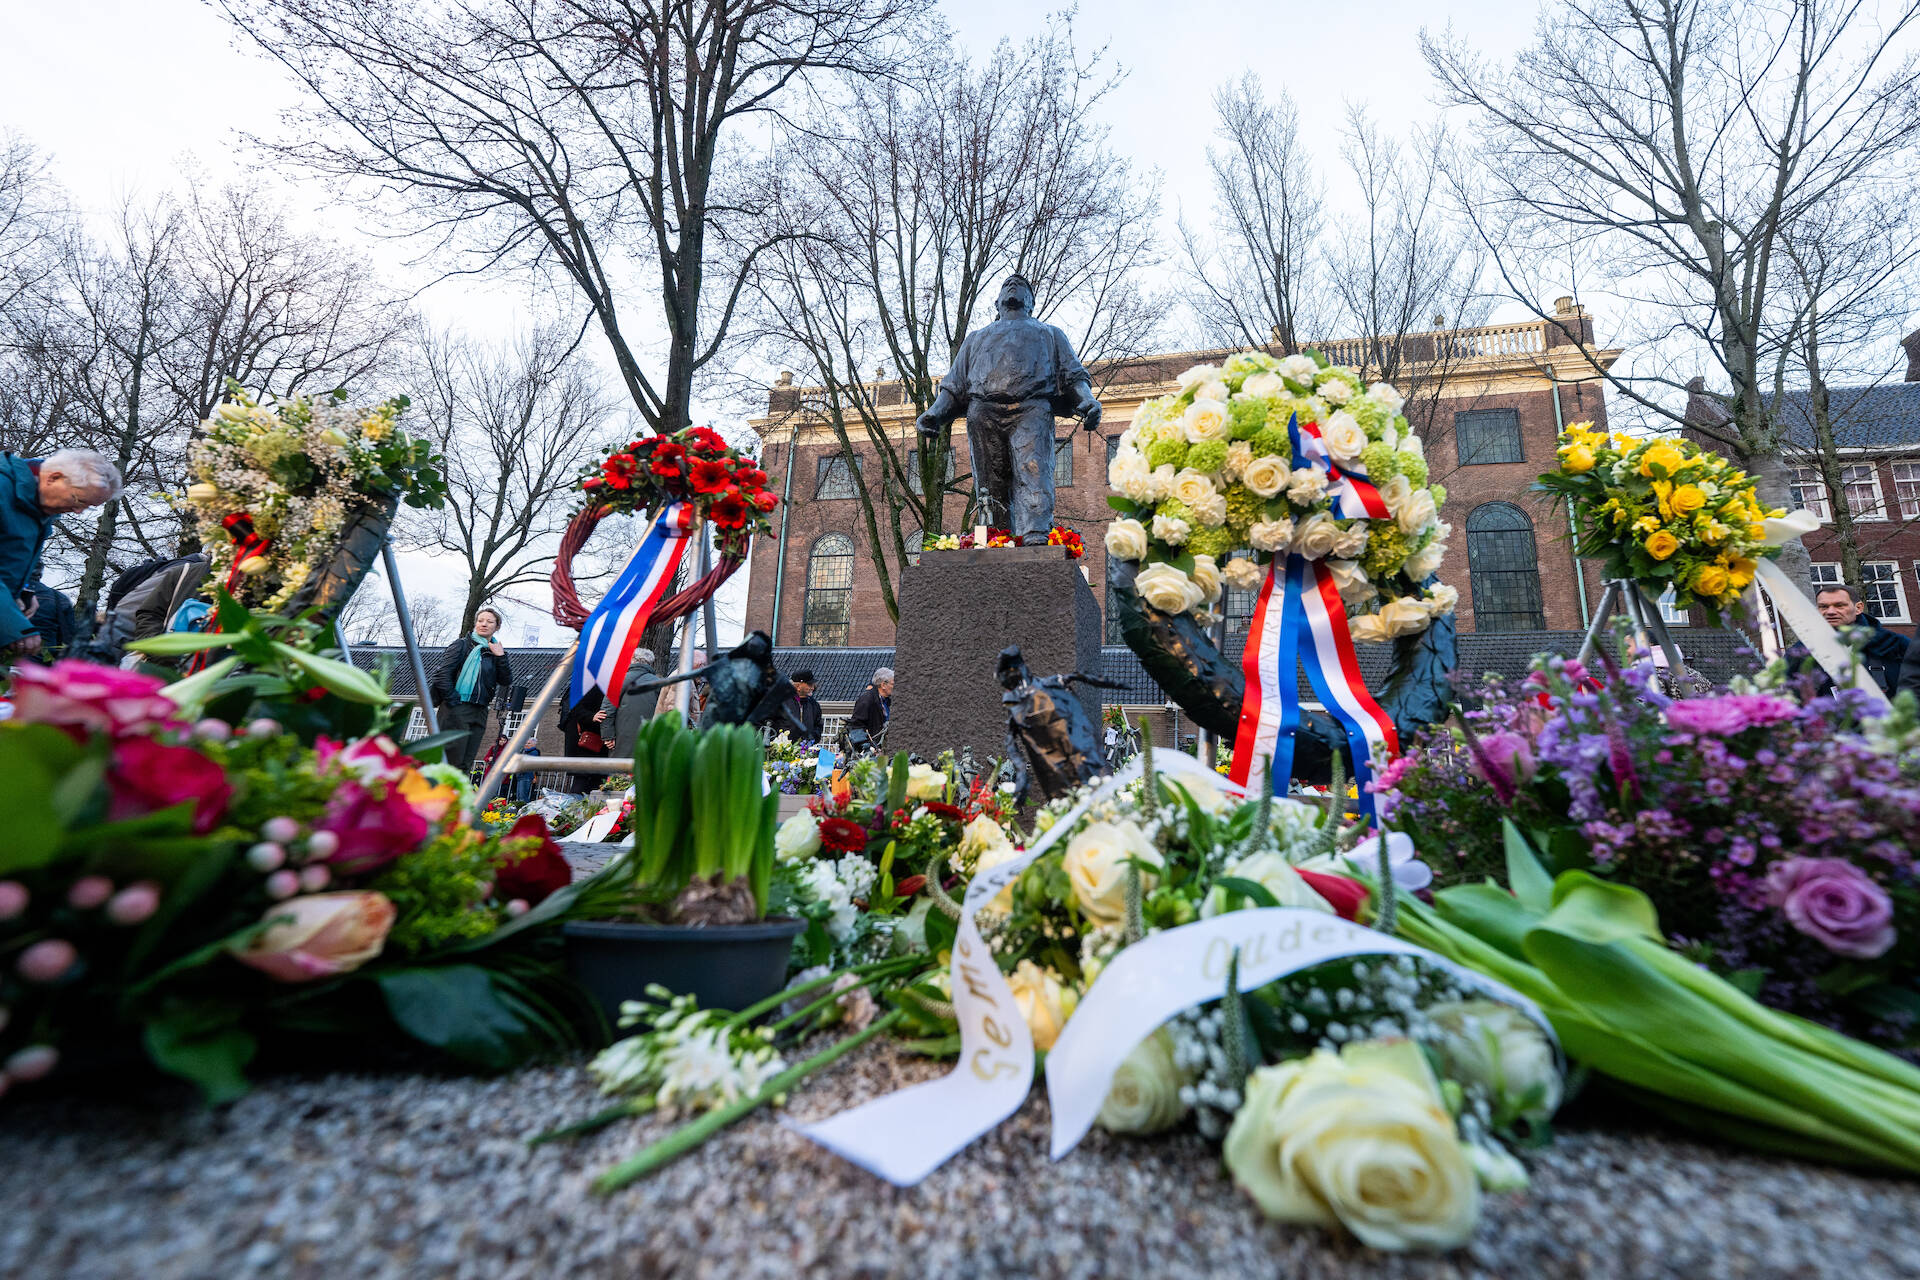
(455,1008)
(434,742)
(1525,876)
(34,758)
(336,678)
(1124,506)
(178,642)
(212,1055)
(1252,890)
(191,693)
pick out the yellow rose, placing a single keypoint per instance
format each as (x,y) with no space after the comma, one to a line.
(1688,499)
(1740,571)
(1662,544)
(1576,459)
(203,493)
(1096,863)
(1661,456)
(924,782)
(1043,1001)
(1709,580)
(1145,1094)
(1361,1139)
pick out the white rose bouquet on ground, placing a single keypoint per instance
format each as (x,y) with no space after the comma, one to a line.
(1207,474)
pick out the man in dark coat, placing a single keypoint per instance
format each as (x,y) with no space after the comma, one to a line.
(52,617)
(804,708)
(34,492)
(1011,379)
(463,691)
(1843,606)
(874,706)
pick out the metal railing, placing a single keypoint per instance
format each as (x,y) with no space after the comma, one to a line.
(1488,342)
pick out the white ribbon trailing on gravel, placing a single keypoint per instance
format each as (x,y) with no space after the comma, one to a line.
(909,1133)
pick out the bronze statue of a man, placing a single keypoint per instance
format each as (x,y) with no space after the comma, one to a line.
(1011,379)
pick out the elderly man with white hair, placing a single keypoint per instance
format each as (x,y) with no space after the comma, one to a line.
(34,492)
(874,705)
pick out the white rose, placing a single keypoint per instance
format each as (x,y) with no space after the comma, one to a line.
(1127,539)
(1266,475)
(1362,1140)
(1441,599)
(1096,864)
(1243,573)
(1354,586)
(1171,530)
(1390,436)
(1351,542)
(1366,628)
(1417,512)
(1159,484)
(1206,576)
(1215,390)
(989,857)
(1198,374)
(1384,395)
(1403,617)
(977,838)
(1145,1094)
(1335,391)
(1395,493)
(1314,537)
(1212,510)
(924,782)
(1410,443)
(1206,420)
(1344,435)
(1274,874)
(1426,560)
(797,838)
(1497,1168)
(1306,486)
(1262,386)
(1163,587)
(1502,1050)
(1239,454)
(1271,535)
(1201,790)
(1299,368)
(1129,473)
(1192,487)
(1043,1001)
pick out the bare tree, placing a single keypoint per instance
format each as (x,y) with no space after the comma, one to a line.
(1257,279)
(1669,145)
(368,617)
(901,210)
(30,219)
(515,423)
(595,138)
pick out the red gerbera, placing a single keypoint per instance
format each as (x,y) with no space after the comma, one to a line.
(705,438)
(842,836)
(940,809)
(729,512)
(707,476)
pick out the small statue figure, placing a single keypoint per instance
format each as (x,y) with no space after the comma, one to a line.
(1052,743)
(742,688)
(1011,379)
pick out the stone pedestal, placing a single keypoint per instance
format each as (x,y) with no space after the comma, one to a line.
(958,610)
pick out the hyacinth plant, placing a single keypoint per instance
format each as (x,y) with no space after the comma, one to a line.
(1773,830)
(1207,493)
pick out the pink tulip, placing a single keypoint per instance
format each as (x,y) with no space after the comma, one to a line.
(314,878)
(32,1062)
(281,830)
(89,892)
(47,961)
(134,904)
(84,698)
(13,899)
(330,933)
(283,884)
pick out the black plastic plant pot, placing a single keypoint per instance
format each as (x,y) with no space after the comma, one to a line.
(722,966)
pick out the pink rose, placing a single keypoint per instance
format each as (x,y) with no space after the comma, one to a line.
(374,759)
(372,829)
(83,698)
(148,776)
(1834,903)
(330,933)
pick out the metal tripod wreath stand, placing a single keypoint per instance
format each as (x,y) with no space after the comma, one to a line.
(1624,596)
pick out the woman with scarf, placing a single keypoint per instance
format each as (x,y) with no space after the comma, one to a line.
(463,687)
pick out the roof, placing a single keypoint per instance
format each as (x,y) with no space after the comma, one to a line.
(1718,655)
(1863,417)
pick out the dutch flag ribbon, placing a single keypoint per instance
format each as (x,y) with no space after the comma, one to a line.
(1299,619)
(612,631)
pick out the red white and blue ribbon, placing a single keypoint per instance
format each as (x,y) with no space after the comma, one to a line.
(612,631)
(1353,495)
(1299,619)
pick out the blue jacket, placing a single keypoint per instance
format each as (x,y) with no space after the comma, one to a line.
(23,532)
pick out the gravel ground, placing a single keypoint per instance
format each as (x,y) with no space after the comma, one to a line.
(367,1176)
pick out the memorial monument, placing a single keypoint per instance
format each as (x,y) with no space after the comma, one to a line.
(958,609)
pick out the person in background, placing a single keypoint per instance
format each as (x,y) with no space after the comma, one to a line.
(34,492)
(586,729)
(636,706)
(1843,606)
(148,607)
(874,705)
(472,668)
(805,709)
(669,701)
(51,613)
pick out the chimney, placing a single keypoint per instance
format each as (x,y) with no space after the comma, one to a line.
(1912,343)
(1570,326)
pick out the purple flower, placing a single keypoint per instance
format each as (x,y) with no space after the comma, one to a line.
(1834,903)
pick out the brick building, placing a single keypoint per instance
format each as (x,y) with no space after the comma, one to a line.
(1488,402)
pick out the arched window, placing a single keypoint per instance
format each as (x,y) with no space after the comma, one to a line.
(828,618)
(1504,568)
